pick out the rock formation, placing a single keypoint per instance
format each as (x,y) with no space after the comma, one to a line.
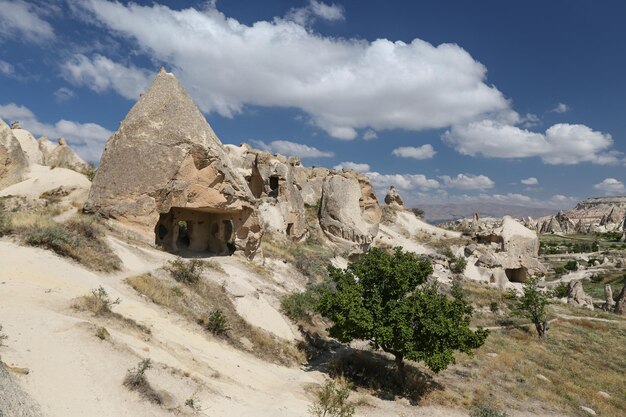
(28,143)
(576,295)
(349,211)
(609,303)
(620,303)
(13,160)
(602,214)
(63,156)
(165,172)
(393,197)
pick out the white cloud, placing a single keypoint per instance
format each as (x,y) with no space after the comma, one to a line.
(611,186)
(530,181)
(342,84)
(468,182)
(21,20)
(87,139)
(64,94)
(288,148)
(315,10)
(402,181)
(561,144)
(100,74)
(561,108)
(352,166)
(422,152)
(6,68)
(369,135)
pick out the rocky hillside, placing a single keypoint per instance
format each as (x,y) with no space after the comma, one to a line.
(599,214)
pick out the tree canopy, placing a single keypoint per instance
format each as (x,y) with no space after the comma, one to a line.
(386,300)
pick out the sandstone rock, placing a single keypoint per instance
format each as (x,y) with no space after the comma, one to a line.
(620,303)
(13,160)
(393,197)
(520,251)
(609,303)
(29,145)
(46,147)
(349,211)
(310,181)
(576,295)
(166,174)
(64,157)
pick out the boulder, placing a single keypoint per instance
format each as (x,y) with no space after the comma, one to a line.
(349,212)
(165,174)
(13,160)
(393,197)
(576,295)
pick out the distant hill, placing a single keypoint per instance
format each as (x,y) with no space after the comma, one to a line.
(435,213)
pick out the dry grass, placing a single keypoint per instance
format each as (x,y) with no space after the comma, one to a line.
(198,301)
(136,380)
(579,357)
(81,238)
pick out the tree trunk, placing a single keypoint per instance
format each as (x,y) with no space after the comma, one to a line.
(401,371)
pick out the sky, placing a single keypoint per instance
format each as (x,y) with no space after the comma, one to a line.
(518,103)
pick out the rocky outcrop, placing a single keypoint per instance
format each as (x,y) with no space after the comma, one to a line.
(349,211)
(14,402)
(63,156)
(29,144)
(603,214)
(310,181)
(576,295)
(620,303)
(13,160)
(609,303)
(166,174)
(393,197)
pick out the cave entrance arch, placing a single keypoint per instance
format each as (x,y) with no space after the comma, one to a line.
(196,231)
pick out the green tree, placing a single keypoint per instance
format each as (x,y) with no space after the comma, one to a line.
(532,305)
(386,300)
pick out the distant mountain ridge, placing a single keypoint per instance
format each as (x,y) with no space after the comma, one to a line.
(435,213)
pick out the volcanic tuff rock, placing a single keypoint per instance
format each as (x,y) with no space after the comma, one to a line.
(620,303)
(29,145)
(349,211)
(609,303)
(601,214)
(393,197)
(13,160)
(576,295)
(165,165)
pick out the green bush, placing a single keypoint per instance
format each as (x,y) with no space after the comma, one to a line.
(457,263)
(299,306)
(559,269)
(217,323)
(560,291)
(532,305)
(135,380)
(571,265)
(332,400)
(597,278)
(187,272)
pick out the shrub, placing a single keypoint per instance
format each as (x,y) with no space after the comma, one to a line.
(217,323)
(55,238)
(5,221)
(332,400)
(102,333)
(457,263)
(571,265)
(560,291)
(193,404)
(302,305)
(187,272)
(135,380)
(597,278)
(494,307)
(485,410)
(559,269)
(98,302)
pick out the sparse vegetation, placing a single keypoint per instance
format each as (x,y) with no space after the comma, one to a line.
(102,333)
(98,302)
(332,400)
(300,306)
(193,404)
(186,272)
(136,380)
(532,305)
(217,323)
(487,410)
(394,309)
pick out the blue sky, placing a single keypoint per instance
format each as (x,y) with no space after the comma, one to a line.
(451,101)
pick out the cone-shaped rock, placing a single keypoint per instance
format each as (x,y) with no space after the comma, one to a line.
(166,172)
(13,160)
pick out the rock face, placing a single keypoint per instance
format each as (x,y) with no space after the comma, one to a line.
(349,211)
(13,400)
(576,295)
(609,303)
(603,214)
(29,145)
(165,172)
(620,304)
(63,156)
(393,197)
(13,160)
(271,180)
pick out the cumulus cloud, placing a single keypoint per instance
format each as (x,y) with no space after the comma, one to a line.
(530,181)
(561,144)
(313,11)
(87,139)
(402,181)
(22,20)
(352,166)
(611,186)
(468,182)
(422,152)
(288,148)
(342,84)
(369,135)
(561,108)
(6,68)
(100,74)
